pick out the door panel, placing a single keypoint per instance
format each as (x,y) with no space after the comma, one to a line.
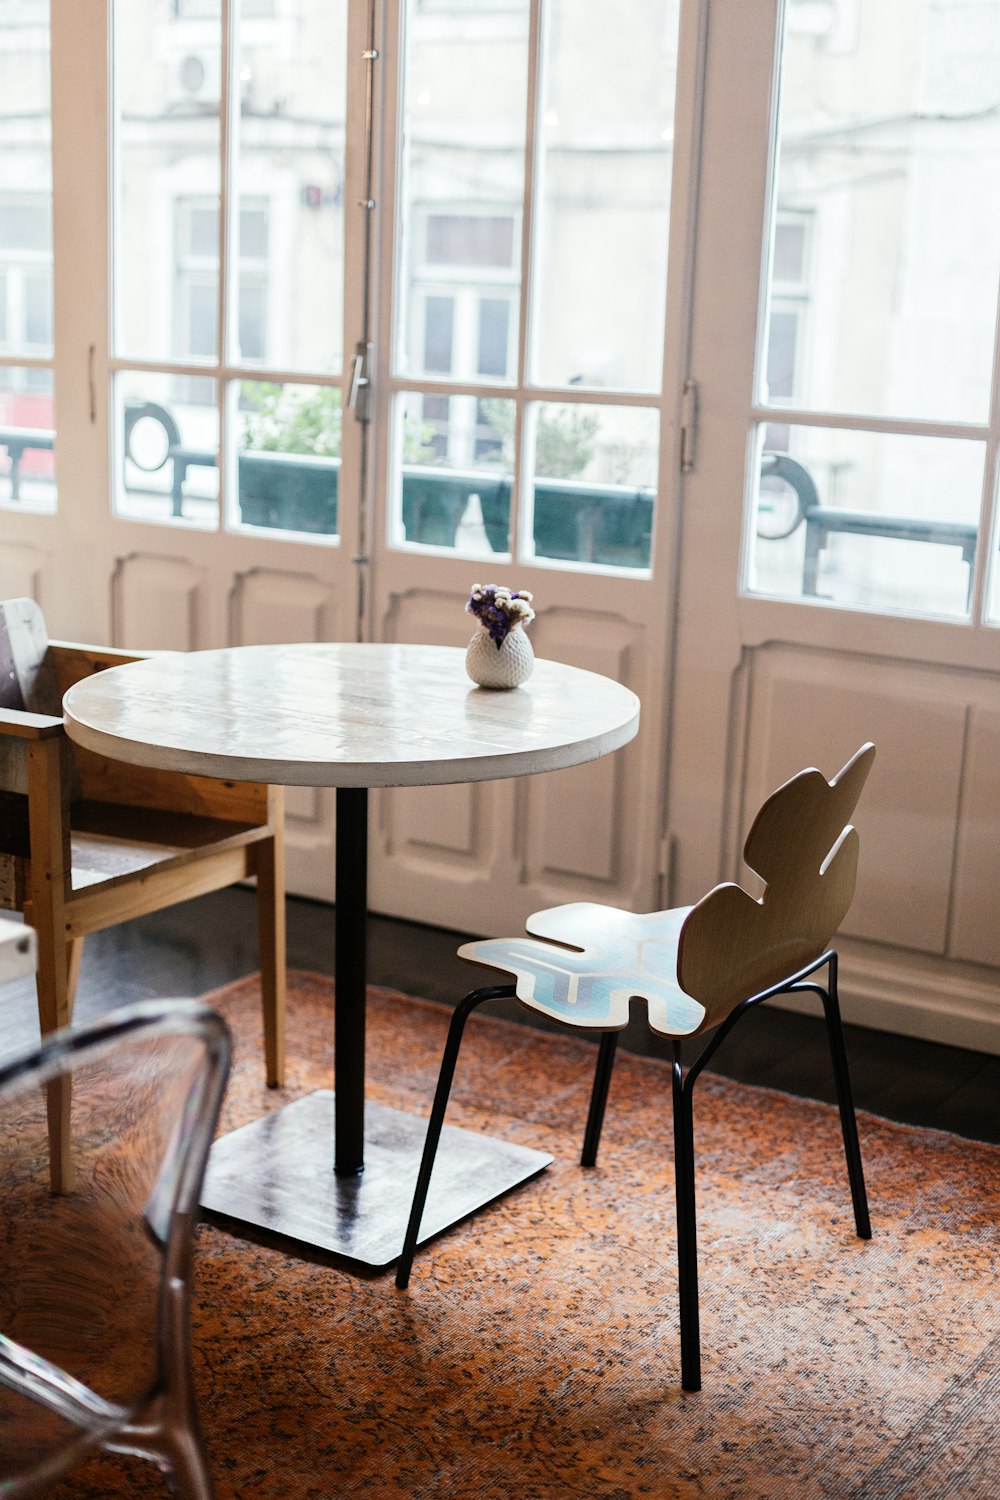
(270,606)
(22,571)
(810,709)
(975,928)
(158,603)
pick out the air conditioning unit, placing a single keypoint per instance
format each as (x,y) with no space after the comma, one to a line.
(193,76)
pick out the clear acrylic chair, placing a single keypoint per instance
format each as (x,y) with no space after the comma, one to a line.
(95,1284)
(698,969)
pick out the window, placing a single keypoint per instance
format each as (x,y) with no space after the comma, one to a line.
(26,286)
(463,289)
(27,478)
(878,309)
(278,281)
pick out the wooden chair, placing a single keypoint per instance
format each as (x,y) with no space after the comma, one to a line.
(698,969)
(87,842)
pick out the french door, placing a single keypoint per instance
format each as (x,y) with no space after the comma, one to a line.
(839,532)
(355,304)
(525,414)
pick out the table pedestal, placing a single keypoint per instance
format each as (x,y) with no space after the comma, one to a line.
(277,1174)
(330,1172)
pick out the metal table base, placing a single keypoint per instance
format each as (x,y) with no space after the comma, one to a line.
(277,1174)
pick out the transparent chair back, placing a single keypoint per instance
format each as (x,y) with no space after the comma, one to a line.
(95,1284)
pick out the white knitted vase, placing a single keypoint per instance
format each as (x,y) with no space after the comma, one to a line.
(504,668)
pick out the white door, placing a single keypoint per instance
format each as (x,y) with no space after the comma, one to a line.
(839,533)
(535,180)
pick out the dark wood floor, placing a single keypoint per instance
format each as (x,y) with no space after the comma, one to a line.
(204,943)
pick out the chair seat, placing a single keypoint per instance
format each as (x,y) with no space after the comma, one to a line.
(584,965)
(112,843)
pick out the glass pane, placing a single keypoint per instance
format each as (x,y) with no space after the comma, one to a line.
(495,353)
(606,149)
(26,223)
(290,178)
(27,439)
(463,122)
(38,312)
(887,230)
(595,483)
(25,192)
(439,334)
(289,456)
(170,431)
(866,519)
(453,459)
(166,89)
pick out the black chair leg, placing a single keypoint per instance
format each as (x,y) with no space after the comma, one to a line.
(842,1078)
(599,1098)
(687,1234)
(462,1013)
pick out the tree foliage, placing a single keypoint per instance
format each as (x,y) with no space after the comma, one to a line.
(565,437)
(280,419)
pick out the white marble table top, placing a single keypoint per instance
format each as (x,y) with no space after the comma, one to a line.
(17,950)
(346,715)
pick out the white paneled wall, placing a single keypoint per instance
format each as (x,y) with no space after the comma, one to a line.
(928,895)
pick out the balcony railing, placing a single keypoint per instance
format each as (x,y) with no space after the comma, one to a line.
(823,521)
(573,521)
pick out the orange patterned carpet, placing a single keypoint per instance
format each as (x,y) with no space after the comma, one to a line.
(535,1355)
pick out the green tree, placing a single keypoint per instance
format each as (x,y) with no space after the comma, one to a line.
(565,437)
(279,419)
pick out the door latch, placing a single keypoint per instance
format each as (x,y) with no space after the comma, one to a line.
(689,426)
(357,400)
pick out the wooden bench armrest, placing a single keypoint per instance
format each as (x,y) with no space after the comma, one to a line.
(73,661)
(19,724)
(100,779)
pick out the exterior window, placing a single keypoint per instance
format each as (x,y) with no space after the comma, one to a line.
(464,291)
(27,416)
(877,309)
(279,290)
(26,287)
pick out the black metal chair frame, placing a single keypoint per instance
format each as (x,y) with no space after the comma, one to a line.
(684,1163)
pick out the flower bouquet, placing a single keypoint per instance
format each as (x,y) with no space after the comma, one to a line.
(499,654)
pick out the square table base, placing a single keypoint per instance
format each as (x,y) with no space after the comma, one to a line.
(277,1174)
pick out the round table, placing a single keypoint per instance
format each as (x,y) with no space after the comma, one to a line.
(350,716)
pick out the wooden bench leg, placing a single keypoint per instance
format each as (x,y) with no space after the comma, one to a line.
(56,985)
(58,959)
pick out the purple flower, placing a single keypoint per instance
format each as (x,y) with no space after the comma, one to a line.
(498,609)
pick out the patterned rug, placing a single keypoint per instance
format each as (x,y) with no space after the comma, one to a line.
(536,1355)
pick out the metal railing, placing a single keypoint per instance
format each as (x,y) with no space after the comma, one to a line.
(573,521)
(18,441)
(823,521)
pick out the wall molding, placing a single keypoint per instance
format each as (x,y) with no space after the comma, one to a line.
(913,995)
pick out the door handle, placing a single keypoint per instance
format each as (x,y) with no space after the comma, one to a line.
(357,397)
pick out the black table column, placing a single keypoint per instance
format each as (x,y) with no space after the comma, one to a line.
(350,969)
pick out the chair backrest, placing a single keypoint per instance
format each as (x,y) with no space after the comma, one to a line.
(802,844)
(26,681)
(94,1284)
